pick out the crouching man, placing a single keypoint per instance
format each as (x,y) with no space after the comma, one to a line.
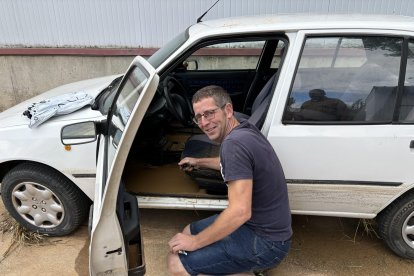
(254,232)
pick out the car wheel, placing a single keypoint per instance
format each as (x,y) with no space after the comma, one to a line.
(43,200)
(396,225)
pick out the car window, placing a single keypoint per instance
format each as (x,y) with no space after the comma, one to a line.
(277,58)
(345,79)
(226,56)
(407,101)
(127,98)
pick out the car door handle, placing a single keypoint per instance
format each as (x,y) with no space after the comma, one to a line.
(412,144)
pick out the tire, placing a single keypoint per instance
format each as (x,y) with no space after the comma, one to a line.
(43,200)
(396,225)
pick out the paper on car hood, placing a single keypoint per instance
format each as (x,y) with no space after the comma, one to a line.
(40,112)
(92,87)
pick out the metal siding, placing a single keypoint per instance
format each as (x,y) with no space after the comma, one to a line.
(147,23)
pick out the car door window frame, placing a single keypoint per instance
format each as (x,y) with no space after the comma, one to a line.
(216,40)
(402,96)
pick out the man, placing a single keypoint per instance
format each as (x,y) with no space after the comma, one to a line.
(322,108)
(253,233)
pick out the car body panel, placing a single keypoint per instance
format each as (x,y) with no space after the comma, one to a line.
(46,148)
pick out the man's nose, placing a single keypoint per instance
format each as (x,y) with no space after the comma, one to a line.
(203,122)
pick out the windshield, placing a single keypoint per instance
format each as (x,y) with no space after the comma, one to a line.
(163,53)
(104,100)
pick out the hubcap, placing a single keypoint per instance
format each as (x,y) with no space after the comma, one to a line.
(408,230)
(37,205)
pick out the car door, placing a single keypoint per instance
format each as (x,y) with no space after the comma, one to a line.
(115,244)
(343,147)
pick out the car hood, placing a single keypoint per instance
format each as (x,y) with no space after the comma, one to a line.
(14,115)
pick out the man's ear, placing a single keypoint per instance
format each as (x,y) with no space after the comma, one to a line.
(229,110)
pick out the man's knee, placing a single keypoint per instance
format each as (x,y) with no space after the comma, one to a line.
(174,265)
(187,230)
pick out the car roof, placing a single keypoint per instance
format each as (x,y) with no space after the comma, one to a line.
(294,22)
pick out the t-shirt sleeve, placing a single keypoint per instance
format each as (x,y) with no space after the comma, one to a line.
(236,161)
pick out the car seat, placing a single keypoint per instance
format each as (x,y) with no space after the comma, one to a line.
(379,105)
(376,82)
(407,104)
(200,146)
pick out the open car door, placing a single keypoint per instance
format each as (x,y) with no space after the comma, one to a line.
(115,245)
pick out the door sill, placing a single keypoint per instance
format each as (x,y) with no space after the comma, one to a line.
(181,203)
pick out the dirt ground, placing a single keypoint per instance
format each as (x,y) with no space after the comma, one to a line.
(321,246)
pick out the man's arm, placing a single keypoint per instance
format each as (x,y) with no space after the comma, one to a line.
(235,215)
(190,163)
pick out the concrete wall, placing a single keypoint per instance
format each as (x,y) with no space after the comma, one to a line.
(22,77)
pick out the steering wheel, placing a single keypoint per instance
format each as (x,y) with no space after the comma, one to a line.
(177,102)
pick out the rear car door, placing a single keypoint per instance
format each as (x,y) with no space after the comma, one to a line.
(115,245)
(345,139)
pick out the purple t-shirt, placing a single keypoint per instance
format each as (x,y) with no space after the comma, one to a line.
(246,154)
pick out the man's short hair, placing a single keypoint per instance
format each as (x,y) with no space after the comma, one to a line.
(218,93)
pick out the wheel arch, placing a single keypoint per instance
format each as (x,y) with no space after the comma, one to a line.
(394,223)
(5,167)
(406,193)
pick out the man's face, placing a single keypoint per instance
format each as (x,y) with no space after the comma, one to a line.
(216,128)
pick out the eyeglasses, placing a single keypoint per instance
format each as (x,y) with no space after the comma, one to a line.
(208,115)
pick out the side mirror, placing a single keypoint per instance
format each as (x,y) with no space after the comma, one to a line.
(191,65)
(78,133)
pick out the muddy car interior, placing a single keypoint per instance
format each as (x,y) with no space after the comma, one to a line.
(246,68)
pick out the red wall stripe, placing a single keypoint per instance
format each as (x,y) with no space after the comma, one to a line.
(76,52)
(119,52)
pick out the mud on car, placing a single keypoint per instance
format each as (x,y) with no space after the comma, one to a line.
(332,93)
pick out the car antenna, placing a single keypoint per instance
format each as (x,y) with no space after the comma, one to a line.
(201,17)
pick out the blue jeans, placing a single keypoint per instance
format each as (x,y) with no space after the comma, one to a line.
(241,251)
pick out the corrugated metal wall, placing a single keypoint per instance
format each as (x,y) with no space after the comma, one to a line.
(146,23)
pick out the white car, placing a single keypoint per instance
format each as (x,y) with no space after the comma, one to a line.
(332,93)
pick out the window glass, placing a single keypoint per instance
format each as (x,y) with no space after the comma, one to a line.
(277,58)
(226,56)
(407,101)
(168,49)
(345,79)
(127,98)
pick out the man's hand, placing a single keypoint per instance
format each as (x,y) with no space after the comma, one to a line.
(188,164)
(182,242)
